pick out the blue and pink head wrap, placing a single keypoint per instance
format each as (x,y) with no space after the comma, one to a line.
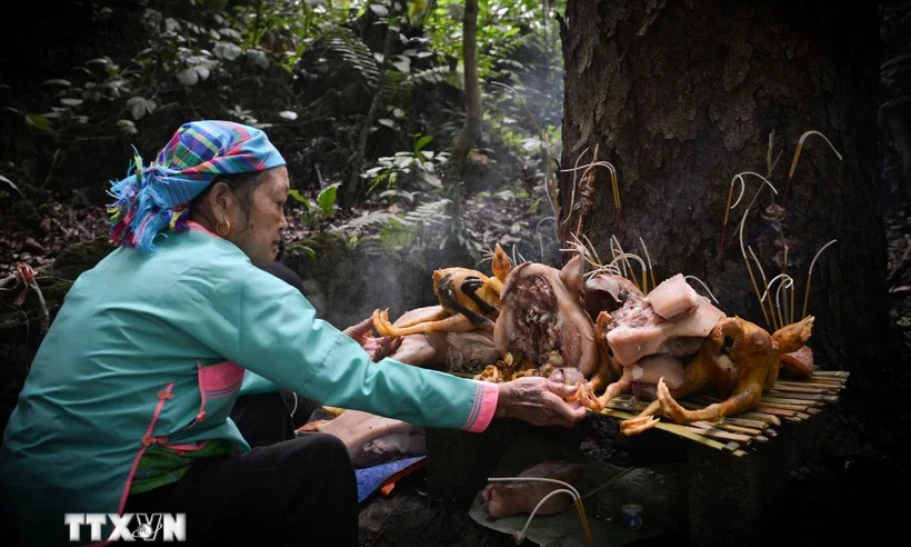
(156,198)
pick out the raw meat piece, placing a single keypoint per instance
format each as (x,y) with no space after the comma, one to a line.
(640,331)
(652,368)
(672,297)
(505,499)
(373,439)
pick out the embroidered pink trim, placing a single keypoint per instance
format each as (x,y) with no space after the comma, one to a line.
(202,396)
(147,441)
(197,227)
(188,447)
(485,404)
(220,377)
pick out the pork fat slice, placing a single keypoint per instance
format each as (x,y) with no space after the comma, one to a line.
(638,330)
(652,368)
(672,297)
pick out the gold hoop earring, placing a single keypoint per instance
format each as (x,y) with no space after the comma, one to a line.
(227,229)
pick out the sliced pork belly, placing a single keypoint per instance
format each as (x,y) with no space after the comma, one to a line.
(672,297)
(638,329)
(683,346)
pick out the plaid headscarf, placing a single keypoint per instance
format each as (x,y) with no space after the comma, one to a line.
(155,198)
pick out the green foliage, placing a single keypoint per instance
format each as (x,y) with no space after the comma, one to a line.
(317,216)
(416,168)
(208,49)
(306,70)
(396,232)
(10,184)
(502,27)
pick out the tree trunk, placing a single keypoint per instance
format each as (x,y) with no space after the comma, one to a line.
(355,188)
(681,96)
(471,130)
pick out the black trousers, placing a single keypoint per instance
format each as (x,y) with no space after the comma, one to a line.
(292,491)
(266,418)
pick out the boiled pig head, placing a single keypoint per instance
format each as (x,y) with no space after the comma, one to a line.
(542,315)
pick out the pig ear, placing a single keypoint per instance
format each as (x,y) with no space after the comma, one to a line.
(512,279)
(572,274)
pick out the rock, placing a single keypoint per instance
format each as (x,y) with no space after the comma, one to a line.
(74,260)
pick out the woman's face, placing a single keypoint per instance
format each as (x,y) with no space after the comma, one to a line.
(258,231)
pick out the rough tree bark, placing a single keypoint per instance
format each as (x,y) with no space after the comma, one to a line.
(681,96)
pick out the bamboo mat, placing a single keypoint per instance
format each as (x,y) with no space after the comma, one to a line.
(790,400)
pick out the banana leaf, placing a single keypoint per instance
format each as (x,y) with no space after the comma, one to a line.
(660,489)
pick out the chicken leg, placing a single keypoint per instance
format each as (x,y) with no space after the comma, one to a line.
(453,323)
(644,421)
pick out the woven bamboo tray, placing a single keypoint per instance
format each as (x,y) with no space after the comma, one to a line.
(789,400)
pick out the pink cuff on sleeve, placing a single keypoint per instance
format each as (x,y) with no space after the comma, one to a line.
(482,411)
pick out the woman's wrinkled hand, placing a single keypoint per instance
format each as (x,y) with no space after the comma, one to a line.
(539,401)
(377,348)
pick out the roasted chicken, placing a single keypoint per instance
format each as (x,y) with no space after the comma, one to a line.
(450,351)
(468,300)
(739,360)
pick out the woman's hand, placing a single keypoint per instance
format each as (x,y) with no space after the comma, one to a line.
(539,401)
(378,348)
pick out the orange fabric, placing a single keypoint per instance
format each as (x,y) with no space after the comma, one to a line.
(389,485)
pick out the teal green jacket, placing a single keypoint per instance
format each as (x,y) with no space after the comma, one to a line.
(154,350)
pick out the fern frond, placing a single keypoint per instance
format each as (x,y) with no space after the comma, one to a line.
(373,219)
(505,51)
(431,212)
(346,48)
(393,84)
(431,75)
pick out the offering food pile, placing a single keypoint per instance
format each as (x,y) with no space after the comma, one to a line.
(607,334)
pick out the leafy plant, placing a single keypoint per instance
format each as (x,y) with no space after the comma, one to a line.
(418,166)
(395,232)
(307,70)
(317,216)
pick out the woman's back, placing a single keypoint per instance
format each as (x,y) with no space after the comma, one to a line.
(121,341)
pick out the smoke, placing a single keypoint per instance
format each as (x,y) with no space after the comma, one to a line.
(522,100)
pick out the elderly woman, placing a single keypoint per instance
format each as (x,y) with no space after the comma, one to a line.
(126,406)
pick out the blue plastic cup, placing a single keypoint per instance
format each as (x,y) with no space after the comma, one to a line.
(632,516)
